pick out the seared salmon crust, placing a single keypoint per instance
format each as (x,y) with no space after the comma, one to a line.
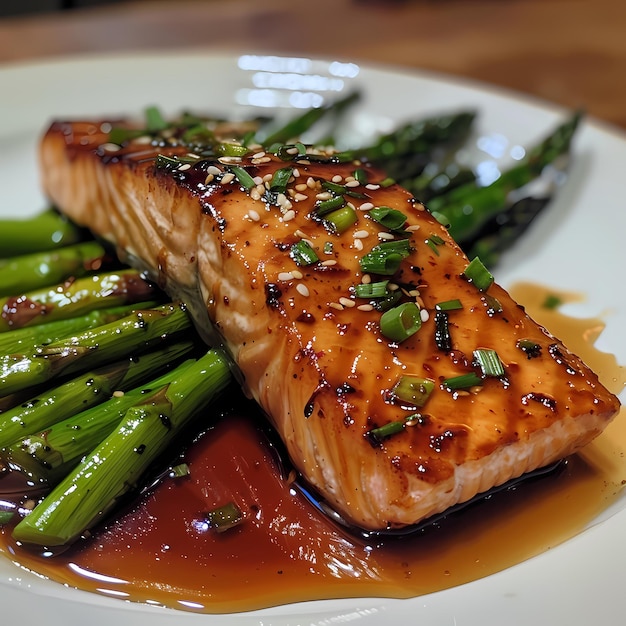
(366,407)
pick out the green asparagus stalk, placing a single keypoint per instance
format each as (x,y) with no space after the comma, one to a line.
(467,208)
(92,348)
(73,298)
(28,272)
(86,390)
(297,126)
(23,340)
(45,231)
(47,457)
(86,495)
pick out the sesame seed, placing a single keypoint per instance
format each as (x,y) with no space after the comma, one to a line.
(258,180)
(253,215)
(302,289)
(258,155)
(300,197)
(365,307)
(361,234)
(347,302)
(209,179)
(372,186)
(295,172)
(254,194)
(366,279)
(337,178)
(353,183)
(261,160)
(300,233)
(287,217)
(366,206)
(335,305)
(419,302)
(413,228)
(385,236)
(260,189)
(118,394)
(424,315)
(213,169)
(184,167)
(297,274)
(414,293)
(267,178)
(324,195)
(329,262)
(358,244)
(227,178)
(229,160)
(393,286)
(301,187)
(293,150)
(311,183)
(110,147)
(285,276)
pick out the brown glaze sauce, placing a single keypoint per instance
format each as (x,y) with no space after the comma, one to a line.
(160,551)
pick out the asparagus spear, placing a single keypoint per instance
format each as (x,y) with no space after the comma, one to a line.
(86,495)
(73,298)
(32,271)
(45,231)
(47,457)
(30,338)
(469,207)
(295,127)
(86,390)
(92,348)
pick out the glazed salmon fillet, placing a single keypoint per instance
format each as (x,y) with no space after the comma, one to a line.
(399,381)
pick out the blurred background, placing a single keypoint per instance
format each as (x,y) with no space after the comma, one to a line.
(570,52)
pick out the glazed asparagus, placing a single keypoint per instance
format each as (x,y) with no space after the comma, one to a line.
(92,348)
(86,390)
(87,494)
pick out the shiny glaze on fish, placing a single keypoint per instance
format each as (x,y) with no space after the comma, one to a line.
(307,350)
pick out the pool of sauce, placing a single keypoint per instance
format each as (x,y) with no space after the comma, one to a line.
(161,550)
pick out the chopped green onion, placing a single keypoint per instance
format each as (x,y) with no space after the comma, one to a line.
(443,340)
(231,149)
(413,389)
(552,302)
(328,247)
(377,435)
(372,290)
(6,517)
(327,206)
(493,305)
(387,182)
(433,241)
(119,135)
(360,175)
(449,305)
(334,187)
(198,134)
(388,217)
(385,258)
(401,322)
(390,301)
(180,471)
(489,362)
(530,348)
(224,517)
(303,254)
(280,179)
(155,121)
(246,181)
(478,274)
(341,219)
(464,381)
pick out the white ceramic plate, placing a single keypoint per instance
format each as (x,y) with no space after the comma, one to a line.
(578,245)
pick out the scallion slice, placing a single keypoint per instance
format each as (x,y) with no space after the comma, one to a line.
(530,348)
(464,381)
(231,149)
(478,274)
(449,305)
(489,362)
(327,206)
(401,322)
(385,258)
(372,290)
(224,517)
(377,435)
(443,340)
(341,219)
(303,254)
(155,121)
(245,180)
(280,179)
(361,176)
(433,242)
(413,389)
(391,219)
(6,517)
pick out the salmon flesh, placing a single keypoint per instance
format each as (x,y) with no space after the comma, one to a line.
(372,411)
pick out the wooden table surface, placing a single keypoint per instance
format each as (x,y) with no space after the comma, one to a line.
(571,52)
